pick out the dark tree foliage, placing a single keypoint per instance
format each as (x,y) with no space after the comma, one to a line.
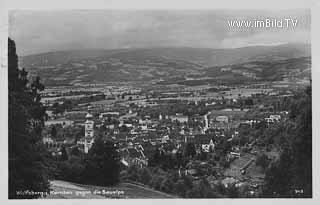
(71,169)
(155,159)
(189,150)
(262,160)
(164,160)
(64,154)
(144,175)
(279,177)
(75,151)
(291,175)
(53,132)
(102,165)
(27,168)
(60,108)
(302,146)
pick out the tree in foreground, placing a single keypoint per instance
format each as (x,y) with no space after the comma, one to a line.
(102,165)
(27,169)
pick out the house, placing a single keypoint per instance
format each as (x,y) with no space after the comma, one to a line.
(196,130)
(229,181)
(222,119)
(198,169)
(208,147)
(210,104)
(63,122)
(124,162)
(146,120)
(140,162)
(226,118)
(69,141)
(47,140)
(133,132)
(223,125)
(225,69)
(275,117)
(50,114)
(135,156)
(179,117)
(232,114)
(109,114)
(110,126)
(143,127)
(165,139)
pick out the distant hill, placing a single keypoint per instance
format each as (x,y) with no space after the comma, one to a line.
(62,57)
(172,65)
(203,56)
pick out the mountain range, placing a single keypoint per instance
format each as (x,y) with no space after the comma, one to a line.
(177,64)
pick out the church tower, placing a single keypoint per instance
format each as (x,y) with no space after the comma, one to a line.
(89,132)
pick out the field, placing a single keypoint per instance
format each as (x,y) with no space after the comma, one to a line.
(123,190)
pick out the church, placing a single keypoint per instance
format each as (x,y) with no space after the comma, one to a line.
(88,133)
(88,139)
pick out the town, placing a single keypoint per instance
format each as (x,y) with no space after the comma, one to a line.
(153,104)
(205,133)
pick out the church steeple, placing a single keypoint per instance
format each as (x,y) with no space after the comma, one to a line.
(89,132)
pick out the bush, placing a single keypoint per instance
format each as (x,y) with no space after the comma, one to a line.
(262,160)
(72,170)
(102,165)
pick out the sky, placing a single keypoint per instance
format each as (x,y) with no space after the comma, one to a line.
(41,31)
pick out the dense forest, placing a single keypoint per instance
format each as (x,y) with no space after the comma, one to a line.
(27,164)
(291,174)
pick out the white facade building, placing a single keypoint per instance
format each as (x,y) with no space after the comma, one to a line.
(89,133)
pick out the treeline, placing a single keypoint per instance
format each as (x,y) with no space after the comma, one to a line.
(185,108)
(58,132)
(170,182)
(28,170)
(101,166)
(31,166)
(291,174)
(183,186)
(68,104)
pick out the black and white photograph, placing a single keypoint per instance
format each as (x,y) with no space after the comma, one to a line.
(159,103)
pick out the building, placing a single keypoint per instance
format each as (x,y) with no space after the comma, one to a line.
(226,69)
(208,147)
(224,126)
(223,119)
(89,133)
(179,117)
(63,122)
(47,140)
(226,119)
(275,117)
(206,121)
(50,114)
(109,114)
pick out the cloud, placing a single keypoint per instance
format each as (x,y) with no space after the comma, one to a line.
(42,31)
